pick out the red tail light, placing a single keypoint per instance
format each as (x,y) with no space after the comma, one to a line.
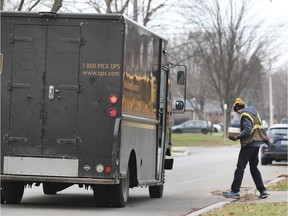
(113,112)
(108,169)
(113,99)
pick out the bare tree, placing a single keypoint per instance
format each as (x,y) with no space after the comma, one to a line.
(56,5)
(149,10)
(31,5)
(34,5)
(230,49)
(280,92)
(109,6)
(20,5)
(1,4)
(183,53)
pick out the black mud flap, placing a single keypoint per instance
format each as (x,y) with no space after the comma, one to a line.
(168,165)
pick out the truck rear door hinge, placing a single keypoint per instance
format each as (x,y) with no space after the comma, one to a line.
(80,41)
(75,141)
(78,88)
(8,139)
(12,38)
(11,85)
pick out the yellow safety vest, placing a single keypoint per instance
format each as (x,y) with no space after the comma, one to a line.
(255,126)
(255,135)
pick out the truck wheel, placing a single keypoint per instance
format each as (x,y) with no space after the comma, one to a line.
(12,192)
(49,189)
(156,191)
(119,193)
(100,193)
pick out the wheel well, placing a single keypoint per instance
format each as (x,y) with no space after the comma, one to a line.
(133,170)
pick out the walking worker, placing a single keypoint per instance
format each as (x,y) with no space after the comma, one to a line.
(251,137)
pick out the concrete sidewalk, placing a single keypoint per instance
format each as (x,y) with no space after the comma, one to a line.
(274,196)
(249,196)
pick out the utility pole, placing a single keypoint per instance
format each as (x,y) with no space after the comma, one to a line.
(271,107)
(271,99)
(225,125)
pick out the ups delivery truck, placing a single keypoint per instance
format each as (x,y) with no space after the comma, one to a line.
(85,100)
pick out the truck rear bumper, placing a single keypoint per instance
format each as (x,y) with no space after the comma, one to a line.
(33,169)
(17,165)
(41,179)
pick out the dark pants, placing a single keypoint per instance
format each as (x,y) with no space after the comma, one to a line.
(248,154)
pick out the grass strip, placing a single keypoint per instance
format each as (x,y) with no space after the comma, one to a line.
(251,209)
(279,186)
(198,139)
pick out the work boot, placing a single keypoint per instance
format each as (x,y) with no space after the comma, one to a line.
(231,194)
(263,194)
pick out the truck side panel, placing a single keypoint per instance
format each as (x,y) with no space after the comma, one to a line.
(101,75)
(141,115)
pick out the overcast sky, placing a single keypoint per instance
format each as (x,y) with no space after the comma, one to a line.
(276,12)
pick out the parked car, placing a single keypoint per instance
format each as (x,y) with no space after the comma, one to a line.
(192,126)
(277,131)
(265,124)
(278,136)
(217,128)
(236,123)
(284,120)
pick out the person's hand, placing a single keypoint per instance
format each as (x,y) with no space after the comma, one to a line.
(271,145)
(233,138)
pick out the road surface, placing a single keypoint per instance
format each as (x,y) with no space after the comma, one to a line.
(189,187)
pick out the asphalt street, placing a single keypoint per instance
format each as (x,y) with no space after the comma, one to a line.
(199,176)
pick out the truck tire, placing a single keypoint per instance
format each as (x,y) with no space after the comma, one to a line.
(12,191)
(156,191)
(100,193)
(119,193)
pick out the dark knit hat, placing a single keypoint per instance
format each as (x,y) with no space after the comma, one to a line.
(239,104)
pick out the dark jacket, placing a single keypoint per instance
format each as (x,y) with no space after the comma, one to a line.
(249,137)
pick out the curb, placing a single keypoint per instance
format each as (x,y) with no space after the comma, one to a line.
(275,180)
(209,208)
(222,203)
(180,153)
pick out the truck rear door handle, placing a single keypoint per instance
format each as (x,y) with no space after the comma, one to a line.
(51,92)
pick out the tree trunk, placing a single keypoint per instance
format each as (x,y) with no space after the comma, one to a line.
(56,5)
